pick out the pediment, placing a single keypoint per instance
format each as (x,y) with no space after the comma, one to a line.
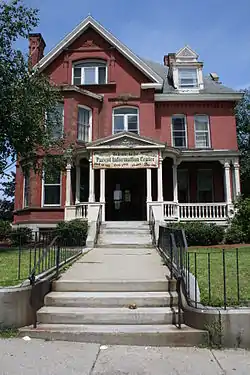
(125,141)
(187,53)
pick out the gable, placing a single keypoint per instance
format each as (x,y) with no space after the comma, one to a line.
(186,52)
(89,22)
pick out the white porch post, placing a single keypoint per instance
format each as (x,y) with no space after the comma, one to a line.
(228,196)
(149,185)
(237,178)
(91,182)
(159,181)
(78,176)
(102,191)
(175,182)
(68,185)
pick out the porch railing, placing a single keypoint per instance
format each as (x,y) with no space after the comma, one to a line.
(207,211)
(81,211)
(170,210)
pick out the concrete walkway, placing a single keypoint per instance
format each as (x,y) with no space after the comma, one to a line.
(37,357)
(118,264)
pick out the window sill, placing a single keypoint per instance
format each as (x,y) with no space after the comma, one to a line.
(97,85)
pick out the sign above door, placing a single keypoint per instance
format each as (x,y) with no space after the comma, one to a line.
(130,159)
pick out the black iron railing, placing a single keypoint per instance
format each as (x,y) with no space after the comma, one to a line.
(209,277)
(98,223)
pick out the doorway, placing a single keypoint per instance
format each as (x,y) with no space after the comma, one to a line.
(125,194)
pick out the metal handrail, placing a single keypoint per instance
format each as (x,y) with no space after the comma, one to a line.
(152,225)
(98,223)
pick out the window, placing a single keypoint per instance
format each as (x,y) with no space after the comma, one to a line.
(205,185)
(179,133)
(126,119)
(51,188)
(55,121)
(90,73)
(188,78)
(202,138)
(84,124)
(183,185)
(26,190)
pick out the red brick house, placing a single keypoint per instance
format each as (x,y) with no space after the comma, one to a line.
(148,135)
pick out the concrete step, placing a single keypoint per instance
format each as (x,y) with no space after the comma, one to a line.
(106,315)
(108,245)
(111,299)
(124,239)
(125,231)
(114,286)
(146,335)
(125,224)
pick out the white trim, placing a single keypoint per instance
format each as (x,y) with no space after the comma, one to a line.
(126,119)
(90,122)
(42,195)
(208,131)
(145,86)
(197,97)
(186,135)
(79,29)
(90,61)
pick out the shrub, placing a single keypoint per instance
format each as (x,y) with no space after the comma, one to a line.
(234,234)
(202,234)
(73,232)
(21,236)
(5,229)
(242,217)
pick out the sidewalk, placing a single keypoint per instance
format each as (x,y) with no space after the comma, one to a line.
(36,357)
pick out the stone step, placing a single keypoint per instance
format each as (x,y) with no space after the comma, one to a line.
(114,286)
(106,315)
(108,245)
(124,238)
(125,225)
(146,335)
(125,231)
(111,299)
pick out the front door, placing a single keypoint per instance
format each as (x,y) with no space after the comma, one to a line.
(125,194)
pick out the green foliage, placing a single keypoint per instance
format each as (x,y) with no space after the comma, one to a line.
(243,135)
(202,234)
(240,224)
(73,232)
(25,95)
(7,203)
(5,229)
(234,234)
(21,236)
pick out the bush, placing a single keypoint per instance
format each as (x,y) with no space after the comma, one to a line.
(5,230)
(21,236)
(234,235)
(202,234)
(73,232)
(241,219)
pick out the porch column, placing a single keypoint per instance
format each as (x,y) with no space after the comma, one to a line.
(237,178)
(228,196)
(68,184)
(159,181)
(102,185)
(78,177)
(149,185)
(175,182)
(91,182)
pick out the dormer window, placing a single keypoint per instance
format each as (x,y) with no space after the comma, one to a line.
(188,78)
(90,72)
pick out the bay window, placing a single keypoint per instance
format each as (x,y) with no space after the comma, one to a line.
(26,190)
(55,121)
(90,72)
(51,187)
(125,119)
(202,132)
(179,133)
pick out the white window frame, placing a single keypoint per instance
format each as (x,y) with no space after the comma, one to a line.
(43,195)
(24,186)
(199,131)
(172,131)
(126,119)
(197,183)
(183,88)
(90,121)
(62,133)
(90,61)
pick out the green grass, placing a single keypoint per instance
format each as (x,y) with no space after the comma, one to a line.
(8,333)
(216,297)
(9,266)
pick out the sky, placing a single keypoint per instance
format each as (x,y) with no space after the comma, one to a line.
(218,30)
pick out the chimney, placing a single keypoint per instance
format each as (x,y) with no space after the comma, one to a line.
(215,77)
(36,48)
(169,59)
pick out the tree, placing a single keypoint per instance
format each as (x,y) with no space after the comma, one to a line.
(7,202)
(243,135)
(25,95)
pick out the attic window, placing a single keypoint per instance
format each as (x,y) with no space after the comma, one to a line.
(188,78)
(90,73)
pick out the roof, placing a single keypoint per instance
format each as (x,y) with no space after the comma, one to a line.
(210,86)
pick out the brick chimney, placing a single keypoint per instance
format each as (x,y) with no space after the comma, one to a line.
(168,59)
(36,48)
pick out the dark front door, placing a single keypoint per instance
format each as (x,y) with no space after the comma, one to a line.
(125,194)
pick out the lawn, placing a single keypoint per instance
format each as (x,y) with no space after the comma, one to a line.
(237,293)
(9,259)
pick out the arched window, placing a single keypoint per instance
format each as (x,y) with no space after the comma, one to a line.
(126,119)
(90,72)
